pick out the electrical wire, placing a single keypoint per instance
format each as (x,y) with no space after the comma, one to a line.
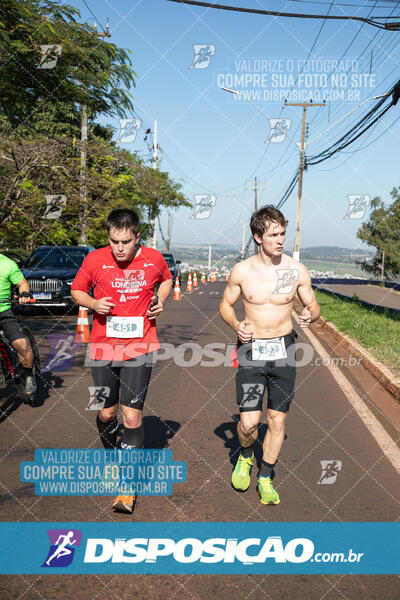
(274,13)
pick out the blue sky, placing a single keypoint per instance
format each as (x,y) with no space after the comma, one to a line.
(214,144)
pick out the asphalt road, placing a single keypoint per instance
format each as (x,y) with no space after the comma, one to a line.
(192,410)
(370,293)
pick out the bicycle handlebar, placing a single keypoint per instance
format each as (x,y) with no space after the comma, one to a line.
(13,300)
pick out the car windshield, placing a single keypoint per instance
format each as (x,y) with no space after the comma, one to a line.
(62,258)
(169,259)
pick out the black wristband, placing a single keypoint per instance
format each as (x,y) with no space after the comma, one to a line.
(25,294)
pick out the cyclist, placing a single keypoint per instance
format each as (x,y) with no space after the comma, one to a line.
(123,276)
(267,284)
(10,274)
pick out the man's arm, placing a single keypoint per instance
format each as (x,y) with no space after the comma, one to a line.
(23,286)
(231,294)
(311,310)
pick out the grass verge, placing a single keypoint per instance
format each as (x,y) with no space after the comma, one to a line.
(378,332)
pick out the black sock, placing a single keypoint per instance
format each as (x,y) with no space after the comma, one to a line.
(28,371)
(132,438)
(108,432)
(248,451)
(266,469)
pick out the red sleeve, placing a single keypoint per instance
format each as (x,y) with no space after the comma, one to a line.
(165,273)
(84,278)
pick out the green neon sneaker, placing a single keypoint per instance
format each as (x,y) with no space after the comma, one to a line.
(241,473)
(266,491)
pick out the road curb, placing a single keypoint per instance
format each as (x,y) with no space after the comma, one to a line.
(376,368)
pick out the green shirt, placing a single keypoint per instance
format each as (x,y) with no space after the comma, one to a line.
(9,274)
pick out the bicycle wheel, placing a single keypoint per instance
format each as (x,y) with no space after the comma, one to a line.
(20,373)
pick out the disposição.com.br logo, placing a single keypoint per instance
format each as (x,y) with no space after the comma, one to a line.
(62,547)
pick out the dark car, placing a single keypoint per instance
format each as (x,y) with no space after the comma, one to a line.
(172,265)
(50,271)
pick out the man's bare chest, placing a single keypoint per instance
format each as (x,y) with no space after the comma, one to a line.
(275,286)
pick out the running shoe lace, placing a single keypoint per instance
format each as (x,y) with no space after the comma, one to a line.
(265,483)
(244,465)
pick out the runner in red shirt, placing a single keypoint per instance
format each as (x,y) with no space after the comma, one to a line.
(123,276)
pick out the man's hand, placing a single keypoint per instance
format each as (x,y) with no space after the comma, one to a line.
(305,316)
(24,299)
(245,331)
(156,310)
(103,305)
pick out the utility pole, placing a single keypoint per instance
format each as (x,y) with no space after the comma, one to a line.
(296,250)
(168,240)
(83,181)
(383,266)
(155,158)
(209,256)
(83,203)
(244,223)
(256,188)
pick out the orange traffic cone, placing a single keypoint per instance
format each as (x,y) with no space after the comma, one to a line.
(177,290)
(189,287)
(203,278)
(213,276)
(195,284)
(82,335)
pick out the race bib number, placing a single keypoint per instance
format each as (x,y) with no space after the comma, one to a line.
(271,349)
(124,327)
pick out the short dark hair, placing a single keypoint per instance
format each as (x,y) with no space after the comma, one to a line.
(261,219)
(123,218)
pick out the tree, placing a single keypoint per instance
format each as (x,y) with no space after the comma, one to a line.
(37,166)
(382,231)
(88,70)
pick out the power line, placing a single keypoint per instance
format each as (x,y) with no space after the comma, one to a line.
(365,123)
(389,26)
(93,15)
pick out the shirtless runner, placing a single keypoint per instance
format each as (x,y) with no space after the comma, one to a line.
(267,283)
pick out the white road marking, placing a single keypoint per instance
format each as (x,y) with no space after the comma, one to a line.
(383,439)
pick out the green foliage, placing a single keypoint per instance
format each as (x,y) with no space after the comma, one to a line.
(382,231)
(378,331)
(40,130)
(89,69)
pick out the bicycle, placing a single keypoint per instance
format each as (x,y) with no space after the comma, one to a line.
(12,369)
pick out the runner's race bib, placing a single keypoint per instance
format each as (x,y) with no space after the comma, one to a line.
(268,349)
(124,327)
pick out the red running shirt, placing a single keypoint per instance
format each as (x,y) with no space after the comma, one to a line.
(130,284)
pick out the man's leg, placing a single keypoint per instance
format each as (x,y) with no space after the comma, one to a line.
(106,379)
(134,377)
(25,357)
(250,387)
(273,439)
(280,382)
(24,352)
(133,433)
(247,430)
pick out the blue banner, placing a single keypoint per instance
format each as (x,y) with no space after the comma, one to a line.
(195,548)
(84,472)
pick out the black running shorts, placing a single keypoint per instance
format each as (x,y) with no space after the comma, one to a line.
(126,383)
(277,376)
(11,327)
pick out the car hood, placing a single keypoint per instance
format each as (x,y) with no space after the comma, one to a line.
(50,273)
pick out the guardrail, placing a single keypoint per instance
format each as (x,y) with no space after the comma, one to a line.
(355,299)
